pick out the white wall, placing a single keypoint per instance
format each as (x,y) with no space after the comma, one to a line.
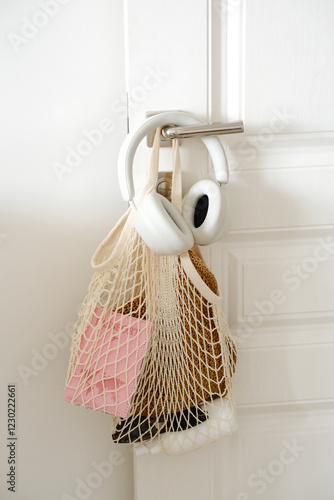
(56,81)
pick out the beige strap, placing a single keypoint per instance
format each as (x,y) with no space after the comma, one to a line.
(99,261)
(118,236)
(177,177)
(196,279)
(152,176)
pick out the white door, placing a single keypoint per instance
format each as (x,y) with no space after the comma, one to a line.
(269,64)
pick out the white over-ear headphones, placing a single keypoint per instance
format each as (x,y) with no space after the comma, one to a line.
(205,212)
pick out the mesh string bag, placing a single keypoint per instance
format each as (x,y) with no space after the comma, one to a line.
(151,346)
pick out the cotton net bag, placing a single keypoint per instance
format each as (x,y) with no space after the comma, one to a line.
(151,346)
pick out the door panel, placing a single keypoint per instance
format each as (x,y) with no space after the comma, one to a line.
(289,62)
(271,65)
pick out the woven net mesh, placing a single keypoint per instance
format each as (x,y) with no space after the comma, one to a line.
(151,347)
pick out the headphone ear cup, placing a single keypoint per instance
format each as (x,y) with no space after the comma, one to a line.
(206,210)
(161,226)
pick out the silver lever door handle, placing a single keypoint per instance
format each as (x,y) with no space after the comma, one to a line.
(172,132)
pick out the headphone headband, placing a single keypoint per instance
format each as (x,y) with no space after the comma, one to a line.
(178,118)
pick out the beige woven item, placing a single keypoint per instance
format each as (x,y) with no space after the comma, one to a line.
(189,363)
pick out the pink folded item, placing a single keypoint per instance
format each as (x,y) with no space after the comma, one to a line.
(108,362)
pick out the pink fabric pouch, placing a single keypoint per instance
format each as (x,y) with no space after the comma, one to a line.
(108,362)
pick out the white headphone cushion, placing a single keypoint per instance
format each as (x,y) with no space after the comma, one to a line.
(162,227)
(217,221)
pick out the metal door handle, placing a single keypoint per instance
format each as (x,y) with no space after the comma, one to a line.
(157,120)
(172,131)
(218,128)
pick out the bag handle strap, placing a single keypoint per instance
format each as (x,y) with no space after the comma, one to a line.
(117,237)
(121,231)
(100,260)
(177,177)
(152,176)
